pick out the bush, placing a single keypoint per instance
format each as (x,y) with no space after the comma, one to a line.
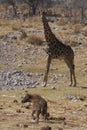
(34,40)
(23,35)
(62,21)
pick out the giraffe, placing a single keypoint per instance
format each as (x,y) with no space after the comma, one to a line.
(57,50)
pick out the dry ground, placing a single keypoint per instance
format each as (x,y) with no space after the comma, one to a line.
(15,116)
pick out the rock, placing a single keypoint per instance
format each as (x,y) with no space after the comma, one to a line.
(35,83)
(8,75)
(22,125)
(53,87)
(85,105)
(54,77)
(46,128)
(15,101)
(19,72)
(75,44)
(30,74)
(61,75)
(75,99)
(25,125)
(20,65)
(19,125)
(15,79)
(1,108)
(60,128)
(18,111)
(85,69)
(39,74)
(27,107)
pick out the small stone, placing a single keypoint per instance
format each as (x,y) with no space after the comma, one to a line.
(27,107)
(20,65)
(25,125)
(1,108)
(53,87)
(15,101)
(60,128)
(19,125)
(18,111)
(46,128)
(85,69)
(85,105)
(62,118)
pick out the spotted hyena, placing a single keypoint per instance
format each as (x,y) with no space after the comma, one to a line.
(39,106)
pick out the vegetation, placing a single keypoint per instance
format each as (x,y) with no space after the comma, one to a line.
(68,7)
(34,40)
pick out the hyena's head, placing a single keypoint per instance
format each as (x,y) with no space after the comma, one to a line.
(27,98)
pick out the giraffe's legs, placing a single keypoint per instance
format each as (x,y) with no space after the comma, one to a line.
(47,70)
(72,73)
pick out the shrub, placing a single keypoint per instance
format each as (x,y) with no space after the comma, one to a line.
(17,26)
(77,28)
(23,34)
(62,21)
(34,40)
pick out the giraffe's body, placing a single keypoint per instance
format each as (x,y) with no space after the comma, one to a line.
(61,51)
(57,50)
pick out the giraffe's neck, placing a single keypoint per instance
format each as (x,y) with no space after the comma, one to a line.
(47,31)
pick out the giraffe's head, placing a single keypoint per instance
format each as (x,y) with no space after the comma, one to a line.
(43,13)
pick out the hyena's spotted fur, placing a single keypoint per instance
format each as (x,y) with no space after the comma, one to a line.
(39,106)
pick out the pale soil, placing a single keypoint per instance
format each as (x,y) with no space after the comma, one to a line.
(15,116)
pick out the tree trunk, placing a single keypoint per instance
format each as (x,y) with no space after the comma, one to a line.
(15,11)
(82,14)
(33,10)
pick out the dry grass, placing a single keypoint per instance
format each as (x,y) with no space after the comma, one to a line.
(77,28)
(62,21)
(23,35)
(5,27)
(34,40)
(4,23)
(34,22)
(1,8)
(17,26)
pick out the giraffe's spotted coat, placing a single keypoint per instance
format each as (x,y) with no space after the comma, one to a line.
(57,50)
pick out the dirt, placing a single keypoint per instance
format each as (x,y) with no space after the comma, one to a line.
(64,114)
